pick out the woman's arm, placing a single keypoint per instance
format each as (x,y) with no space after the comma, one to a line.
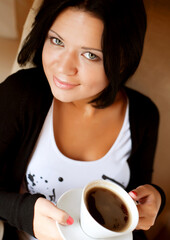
(144,129)
(16,209)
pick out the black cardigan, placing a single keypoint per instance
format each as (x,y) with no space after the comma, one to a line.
(25,98)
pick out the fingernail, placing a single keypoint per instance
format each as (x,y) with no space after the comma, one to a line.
(70,221)
(134,193)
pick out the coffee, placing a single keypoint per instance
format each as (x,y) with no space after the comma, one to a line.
(107,209)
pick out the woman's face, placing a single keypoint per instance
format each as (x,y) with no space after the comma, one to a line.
(72,56)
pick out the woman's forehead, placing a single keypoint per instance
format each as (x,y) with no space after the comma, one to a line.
(79,25)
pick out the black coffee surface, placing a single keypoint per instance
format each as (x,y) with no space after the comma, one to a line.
(107,209)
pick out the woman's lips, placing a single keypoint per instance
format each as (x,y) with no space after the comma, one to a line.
(63,85)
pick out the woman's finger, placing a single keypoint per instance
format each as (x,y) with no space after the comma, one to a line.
(149,201)
(48,209)
(46,214)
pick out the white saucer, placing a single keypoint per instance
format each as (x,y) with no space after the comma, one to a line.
(70,202)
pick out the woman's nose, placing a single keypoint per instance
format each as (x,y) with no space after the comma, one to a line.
(68,64)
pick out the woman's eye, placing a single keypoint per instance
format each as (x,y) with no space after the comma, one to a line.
(56,41)
(91,56)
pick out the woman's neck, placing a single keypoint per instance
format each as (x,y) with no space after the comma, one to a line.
(87,110)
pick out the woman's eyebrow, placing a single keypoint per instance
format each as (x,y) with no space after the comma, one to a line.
(93,49)
(56,34)
(85,48)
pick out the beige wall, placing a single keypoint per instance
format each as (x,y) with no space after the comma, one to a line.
(9,45)
(22,9)
(153,79)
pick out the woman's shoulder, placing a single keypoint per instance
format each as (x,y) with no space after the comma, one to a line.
(25,79)
(142,110)
(140,102)
(26,83)
(26,89)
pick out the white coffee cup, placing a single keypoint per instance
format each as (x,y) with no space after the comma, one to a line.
(94,229)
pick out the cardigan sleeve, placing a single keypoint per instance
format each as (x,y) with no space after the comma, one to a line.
(144,124)
(16,209)
(144,121)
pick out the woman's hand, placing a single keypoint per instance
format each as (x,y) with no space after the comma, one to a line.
(149,201)
(46,214)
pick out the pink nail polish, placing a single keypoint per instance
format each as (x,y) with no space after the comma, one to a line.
(70,221)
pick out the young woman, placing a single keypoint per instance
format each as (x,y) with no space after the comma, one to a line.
(70,119)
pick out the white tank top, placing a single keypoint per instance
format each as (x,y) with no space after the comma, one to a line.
(51,173)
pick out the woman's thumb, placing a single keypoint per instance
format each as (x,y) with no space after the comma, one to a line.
(62,217)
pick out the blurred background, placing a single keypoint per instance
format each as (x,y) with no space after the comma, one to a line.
(13,14)
(152,78)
